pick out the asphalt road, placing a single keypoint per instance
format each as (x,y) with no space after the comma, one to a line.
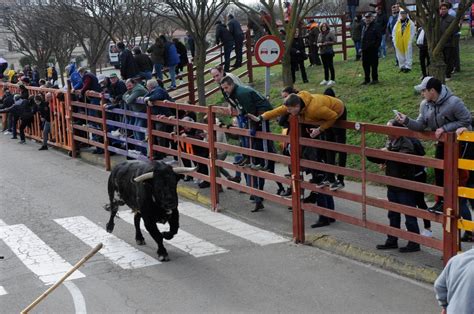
(51,212)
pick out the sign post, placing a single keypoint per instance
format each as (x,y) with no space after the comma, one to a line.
(268,52)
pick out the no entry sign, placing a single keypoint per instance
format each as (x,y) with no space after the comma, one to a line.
(269,50)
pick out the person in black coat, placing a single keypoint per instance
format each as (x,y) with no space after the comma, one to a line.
(144,63)
(6,102)
(15,111)
(45,116)
(297,57)
(371,38)
(225,37)
(128,65)
(381,21)
(28,111)
(236,30)
(183,57)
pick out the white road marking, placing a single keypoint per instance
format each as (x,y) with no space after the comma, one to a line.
(2,290)
(77,297)
(230,225)
(116,250)
(35,254)
(183,240)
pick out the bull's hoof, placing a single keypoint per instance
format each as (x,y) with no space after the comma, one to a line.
(140,241)
(109,227)
(168,235)
(163,258)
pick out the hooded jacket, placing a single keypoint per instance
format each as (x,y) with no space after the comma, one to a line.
(315,108)
(157,52)
(448,112)
(75,77)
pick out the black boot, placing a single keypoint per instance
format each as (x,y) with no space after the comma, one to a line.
(411,247)
(389,244)
(322,222)
(258,206)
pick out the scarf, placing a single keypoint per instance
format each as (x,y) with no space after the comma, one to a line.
(402,38)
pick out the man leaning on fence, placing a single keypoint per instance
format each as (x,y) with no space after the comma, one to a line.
(250,101)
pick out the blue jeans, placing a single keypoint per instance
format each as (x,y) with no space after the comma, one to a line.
(172,69)
(407,198)
(383,47)
(146,75)
(358,47)
(351,9)
(159,71)
(139,136)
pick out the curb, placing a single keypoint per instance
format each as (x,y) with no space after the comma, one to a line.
(390,263)
(193,195)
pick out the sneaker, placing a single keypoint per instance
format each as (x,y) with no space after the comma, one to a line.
(387,246)
(437,208)
(204,185)
(374,82)
(22,142)
(411,247)
(427,233)
(256,167)
(116,133)
(365,83)
(323,184)
(14,138)
(257,207)
(336,186)
(320,223)
(323,82)
(7,132)
(234,179)
(331,83)
(244,161)
(172,87)
(43,148)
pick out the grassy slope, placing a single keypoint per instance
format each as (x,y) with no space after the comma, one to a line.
(374,104)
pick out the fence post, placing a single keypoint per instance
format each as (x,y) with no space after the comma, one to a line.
(248,44)
(106,138)
(451,210)
(192,96)
(344,37)
(69,119)
(298,214)
(211,138)
(150,131)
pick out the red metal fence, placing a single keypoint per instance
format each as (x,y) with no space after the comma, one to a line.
(77,122)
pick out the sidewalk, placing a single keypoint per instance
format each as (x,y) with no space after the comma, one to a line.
(341,238)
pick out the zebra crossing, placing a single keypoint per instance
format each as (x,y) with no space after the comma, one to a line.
(48,265)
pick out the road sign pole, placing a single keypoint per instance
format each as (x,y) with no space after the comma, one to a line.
(267,82)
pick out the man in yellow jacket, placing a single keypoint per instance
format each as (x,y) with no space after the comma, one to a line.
(324,110)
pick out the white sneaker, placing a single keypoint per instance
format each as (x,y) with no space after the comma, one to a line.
(7,132)
(116,133)
(331,83)
(427,233)
(323,82)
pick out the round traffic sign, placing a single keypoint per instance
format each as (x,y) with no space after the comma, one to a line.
(269,50)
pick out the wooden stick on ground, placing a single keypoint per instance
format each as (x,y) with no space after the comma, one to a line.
(60,281)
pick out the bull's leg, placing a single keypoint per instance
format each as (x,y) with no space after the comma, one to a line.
(151,227)
(113,208)
(174,225)
(138,233)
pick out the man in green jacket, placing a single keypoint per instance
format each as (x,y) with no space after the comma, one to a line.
(247,100)
(134,91)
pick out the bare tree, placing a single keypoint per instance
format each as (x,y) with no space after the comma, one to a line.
(87,20)
(299,9)
(37,44)
(427,16)
(197,17)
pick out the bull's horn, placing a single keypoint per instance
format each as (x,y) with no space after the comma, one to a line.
(143,177)
(179,170)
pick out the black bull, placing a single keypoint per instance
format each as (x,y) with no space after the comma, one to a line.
(149,189)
